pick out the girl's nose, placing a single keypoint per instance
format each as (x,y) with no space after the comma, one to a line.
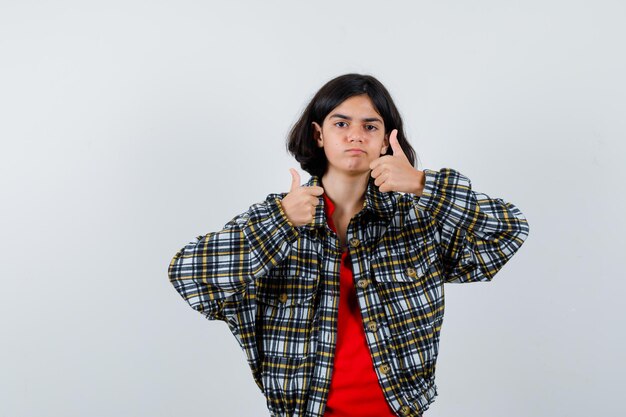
(355,135)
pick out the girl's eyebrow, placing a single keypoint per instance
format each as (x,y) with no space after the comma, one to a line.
(367,119)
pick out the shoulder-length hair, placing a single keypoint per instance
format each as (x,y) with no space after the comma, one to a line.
(301,141)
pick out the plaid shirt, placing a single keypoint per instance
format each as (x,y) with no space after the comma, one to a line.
(277,286)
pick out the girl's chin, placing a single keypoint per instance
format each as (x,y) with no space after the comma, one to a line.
(353,170)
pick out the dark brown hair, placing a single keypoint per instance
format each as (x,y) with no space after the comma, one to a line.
(301,140)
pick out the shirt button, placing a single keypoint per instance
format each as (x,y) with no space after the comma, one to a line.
(372,326)
(405,410)
(354,242)
(283,297)
(410,271)
(384,369)
(363,283)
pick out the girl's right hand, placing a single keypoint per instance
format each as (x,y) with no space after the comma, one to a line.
(299,204)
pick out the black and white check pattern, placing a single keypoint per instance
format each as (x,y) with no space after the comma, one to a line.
(277,286)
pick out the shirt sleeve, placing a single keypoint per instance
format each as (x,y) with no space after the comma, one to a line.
(479,234)
(219,266)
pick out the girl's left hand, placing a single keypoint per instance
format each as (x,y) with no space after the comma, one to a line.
(395,172)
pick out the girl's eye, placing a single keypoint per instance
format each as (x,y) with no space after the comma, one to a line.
(371,128)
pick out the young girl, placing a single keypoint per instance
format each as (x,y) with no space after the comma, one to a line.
(334,290)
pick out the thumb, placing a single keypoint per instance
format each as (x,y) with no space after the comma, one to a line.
(395,145)
(295,179)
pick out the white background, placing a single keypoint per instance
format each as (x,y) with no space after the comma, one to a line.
(128,128)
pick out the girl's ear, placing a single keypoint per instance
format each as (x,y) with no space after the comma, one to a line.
(383,150)
(317,134)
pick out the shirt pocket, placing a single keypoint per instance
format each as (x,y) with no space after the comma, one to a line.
(406,264)
(409,286)
(285,309)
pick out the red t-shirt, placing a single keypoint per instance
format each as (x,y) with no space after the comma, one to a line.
(354,387)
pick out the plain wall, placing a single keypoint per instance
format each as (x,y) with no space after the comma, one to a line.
(128,128)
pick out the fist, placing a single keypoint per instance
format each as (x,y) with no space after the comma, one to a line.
(299,204)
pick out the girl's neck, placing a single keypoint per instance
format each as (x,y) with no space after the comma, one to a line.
(347,192)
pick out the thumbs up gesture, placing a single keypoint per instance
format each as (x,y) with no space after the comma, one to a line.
(395,172)
(299,204)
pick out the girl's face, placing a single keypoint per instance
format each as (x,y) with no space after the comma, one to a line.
(352,135)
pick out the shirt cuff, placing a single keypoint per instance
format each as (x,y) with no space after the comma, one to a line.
(429,193)
(282,222)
